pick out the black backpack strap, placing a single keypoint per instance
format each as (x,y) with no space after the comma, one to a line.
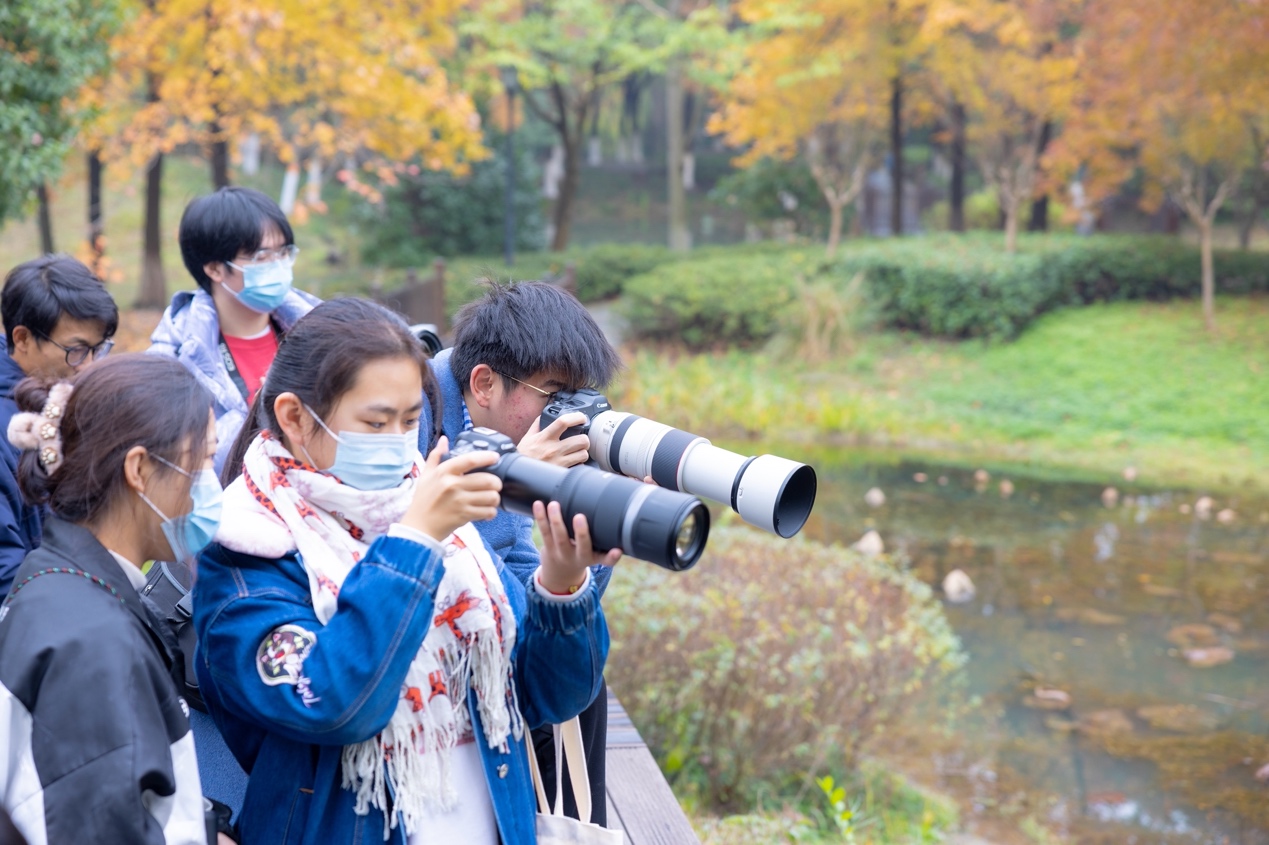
(168,588)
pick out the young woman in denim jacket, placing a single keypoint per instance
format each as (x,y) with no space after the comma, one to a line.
(370,662)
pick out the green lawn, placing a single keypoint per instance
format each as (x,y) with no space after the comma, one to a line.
(1092,389)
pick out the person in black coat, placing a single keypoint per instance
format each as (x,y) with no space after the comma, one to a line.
(97,737)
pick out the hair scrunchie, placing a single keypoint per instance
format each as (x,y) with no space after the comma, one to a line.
(42,432)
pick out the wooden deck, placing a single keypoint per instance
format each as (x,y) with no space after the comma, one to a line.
(639,799)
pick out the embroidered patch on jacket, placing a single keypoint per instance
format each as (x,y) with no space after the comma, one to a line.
(280,658)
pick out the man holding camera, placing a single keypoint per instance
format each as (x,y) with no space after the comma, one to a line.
(513,349)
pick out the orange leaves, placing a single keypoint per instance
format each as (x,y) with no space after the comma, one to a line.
(1172,86)
(311,77)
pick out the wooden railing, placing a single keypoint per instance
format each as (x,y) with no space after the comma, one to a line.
(639,799)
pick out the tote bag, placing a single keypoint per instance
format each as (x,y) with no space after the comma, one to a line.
(555,828)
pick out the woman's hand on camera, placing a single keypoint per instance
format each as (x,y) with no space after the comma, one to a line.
(545,443)
(565,559)
(446,496)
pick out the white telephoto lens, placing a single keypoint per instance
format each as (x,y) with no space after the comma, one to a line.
(776,494)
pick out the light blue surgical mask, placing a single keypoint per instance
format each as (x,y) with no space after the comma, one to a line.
(367,461)
(265,285)
(190,533)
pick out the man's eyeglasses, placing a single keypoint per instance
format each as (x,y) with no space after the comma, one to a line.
(549,394)
(77,355)
(282,253)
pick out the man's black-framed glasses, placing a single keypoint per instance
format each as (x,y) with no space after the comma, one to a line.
(77,355)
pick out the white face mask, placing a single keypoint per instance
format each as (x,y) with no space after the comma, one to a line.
(190,533)
(370,461)
(264,286)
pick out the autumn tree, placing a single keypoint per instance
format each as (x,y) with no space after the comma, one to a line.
(700,30)
(1009,66)
(319,83)
(1175,90)
(808,84)
(567,53)
(48,49)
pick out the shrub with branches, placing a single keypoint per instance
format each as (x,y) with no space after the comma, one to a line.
(771,658)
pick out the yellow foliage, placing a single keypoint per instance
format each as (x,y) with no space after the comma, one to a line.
(312,77)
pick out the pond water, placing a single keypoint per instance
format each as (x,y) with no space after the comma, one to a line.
(1093,695)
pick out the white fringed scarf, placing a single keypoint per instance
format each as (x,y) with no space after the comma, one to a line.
(280,505)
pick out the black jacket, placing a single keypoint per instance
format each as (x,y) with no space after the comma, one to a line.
(97,736)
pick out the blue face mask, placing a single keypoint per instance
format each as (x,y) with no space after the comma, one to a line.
(190,533)
(264,286)
(370,461)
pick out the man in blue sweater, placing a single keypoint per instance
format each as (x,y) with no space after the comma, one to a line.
(58,318)
(513,349)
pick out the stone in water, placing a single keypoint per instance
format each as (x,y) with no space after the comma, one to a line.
(1205,658)
(958,587)
(870,544)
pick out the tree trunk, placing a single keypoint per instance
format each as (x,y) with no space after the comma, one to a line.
(46,219)
(153,293)
(1248,224)
(219,159)
(956,191)
(834,228)
(1039,221)
(1011,211)
(679,234)
(896,155)
(568,192)
(96,234)
(1209,275)
(313,182)
(290,188)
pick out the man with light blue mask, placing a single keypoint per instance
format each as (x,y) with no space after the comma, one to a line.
(239,247)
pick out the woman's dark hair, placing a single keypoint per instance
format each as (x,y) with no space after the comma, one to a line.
(121,402)
(218,226)
(319,359)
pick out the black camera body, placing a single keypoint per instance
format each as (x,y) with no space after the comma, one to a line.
(660,526)
(592,403)
(480,439)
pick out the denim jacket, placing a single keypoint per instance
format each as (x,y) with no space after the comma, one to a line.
(290,738)
(190,333)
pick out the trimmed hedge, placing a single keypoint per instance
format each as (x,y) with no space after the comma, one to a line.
(967,286)
(602,270)
(945,285)
(725,300)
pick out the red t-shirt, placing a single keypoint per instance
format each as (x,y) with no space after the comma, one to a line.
(252,356)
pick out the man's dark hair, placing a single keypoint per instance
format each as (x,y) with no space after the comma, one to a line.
(526,328)
(37,293)
(218,226)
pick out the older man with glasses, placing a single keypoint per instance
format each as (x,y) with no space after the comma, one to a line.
(58,318)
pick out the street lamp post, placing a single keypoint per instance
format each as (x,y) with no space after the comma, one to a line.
(510,82)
